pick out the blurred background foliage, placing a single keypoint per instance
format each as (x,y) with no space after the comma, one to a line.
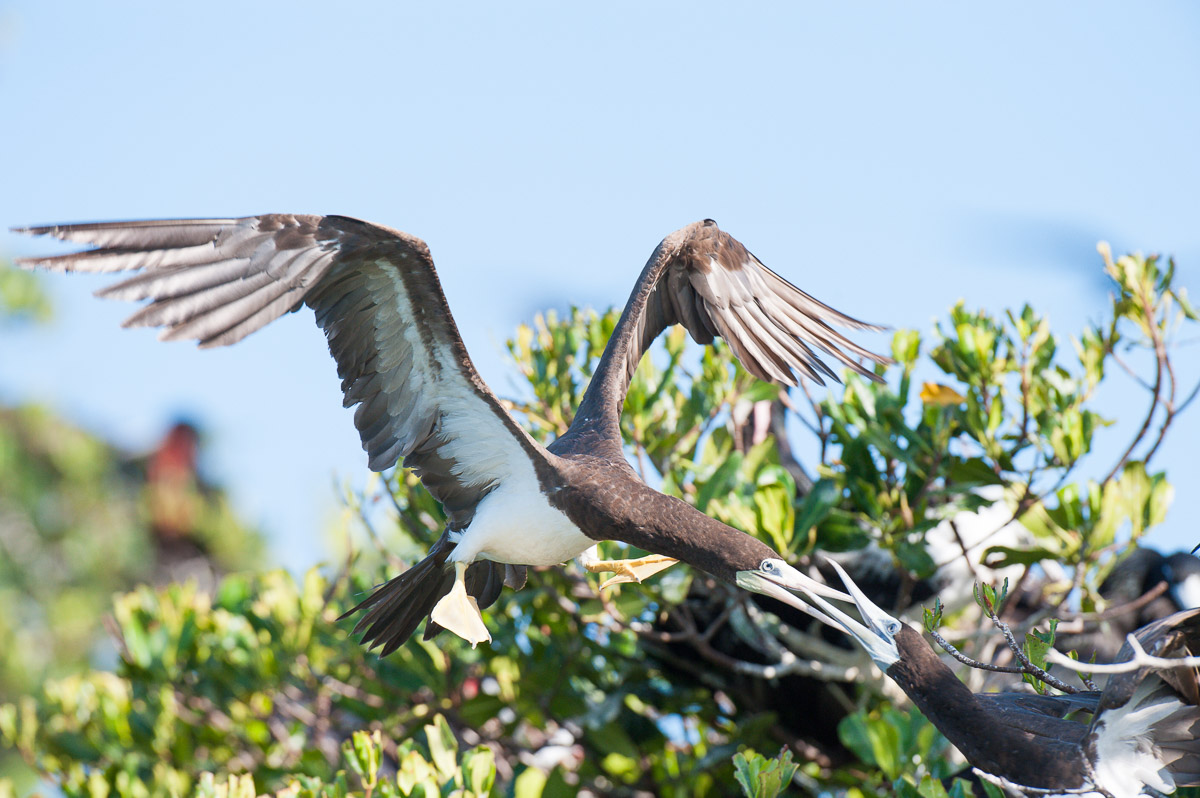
(247,684)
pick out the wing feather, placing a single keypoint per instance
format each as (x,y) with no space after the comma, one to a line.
(704,279)
(378,299)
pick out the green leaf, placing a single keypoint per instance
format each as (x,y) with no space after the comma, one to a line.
(933,618)
(443,747)
(479,770)
(773,504)
(529,784)
(1036,645)
(915,558)
(763,778)
(719,482)
(363,752)
(1004,556)
(414,771)
(906,346)
(815,507)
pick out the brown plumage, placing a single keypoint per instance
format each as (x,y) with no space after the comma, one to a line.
(420,401)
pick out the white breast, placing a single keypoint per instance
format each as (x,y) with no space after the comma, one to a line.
(516,524)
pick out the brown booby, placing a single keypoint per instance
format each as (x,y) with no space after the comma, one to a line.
(510,502)
(1144,730)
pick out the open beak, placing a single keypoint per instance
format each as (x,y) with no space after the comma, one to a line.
(785,578)
(878,637)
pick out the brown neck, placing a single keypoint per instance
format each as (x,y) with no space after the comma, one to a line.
(609,502)
(983,737)
(597,419)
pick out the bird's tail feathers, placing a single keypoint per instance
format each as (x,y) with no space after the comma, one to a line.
(397,607)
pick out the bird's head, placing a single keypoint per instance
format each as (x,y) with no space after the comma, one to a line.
(773,577)
(877,636)
(1182,573)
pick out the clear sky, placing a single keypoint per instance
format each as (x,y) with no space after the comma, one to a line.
(888,158)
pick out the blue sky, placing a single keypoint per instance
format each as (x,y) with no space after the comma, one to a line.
(888,159)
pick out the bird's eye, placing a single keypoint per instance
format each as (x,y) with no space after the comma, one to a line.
(767,565)
(893,627)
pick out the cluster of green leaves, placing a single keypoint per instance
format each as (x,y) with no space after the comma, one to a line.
(260,679)
(1016,413)
(904,755)
(21,297)
(68,540)
(634,690)
(75,528)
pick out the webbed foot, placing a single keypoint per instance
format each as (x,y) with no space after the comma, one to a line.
(459,612)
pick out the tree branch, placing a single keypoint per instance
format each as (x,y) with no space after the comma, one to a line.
(1140,660)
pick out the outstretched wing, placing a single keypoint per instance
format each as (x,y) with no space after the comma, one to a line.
(703,278)
(376,296)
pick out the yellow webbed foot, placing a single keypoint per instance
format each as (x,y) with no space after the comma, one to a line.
(629,570)
(459,612)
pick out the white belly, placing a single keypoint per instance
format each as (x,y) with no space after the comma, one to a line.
(520,527)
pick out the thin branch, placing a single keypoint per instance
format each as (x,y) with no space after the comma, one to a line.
(1160,351)
(1188,401)
(1027,666)
(965,660)
(1120,609)
(1140,660)
(1012,788)
(1159,358)
(1129,371)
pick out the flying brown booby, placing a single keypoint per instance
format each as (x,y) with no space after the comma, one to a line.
(1143,736)
(510,502)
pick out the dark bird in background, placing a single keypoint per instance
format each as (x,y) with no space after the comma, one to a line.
(1144,730)
(174,499)
(1139,573)
(510,502)
(173,481)
(190,528)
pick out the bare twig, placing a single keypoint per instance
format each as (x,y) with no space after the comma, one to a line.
(1012,788)
(1026,665)
(1140,660)
(1120,609)
(949,648)
(1129,371)
(1160,357)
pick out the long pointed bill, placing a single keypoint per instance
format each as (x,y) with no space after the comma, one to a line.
(784,578)
(880,639)
(793,579)
(879,620)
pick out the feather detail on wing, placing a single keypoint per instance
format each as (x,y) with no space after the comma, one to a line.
(704,279)
(376,296)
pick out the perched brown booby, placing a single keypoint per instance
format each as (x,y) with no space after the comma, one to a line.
(1144,730)
(510,502)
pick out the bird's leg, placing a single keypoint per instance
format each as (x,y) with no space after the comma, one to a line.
(625,570)
(459,612)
